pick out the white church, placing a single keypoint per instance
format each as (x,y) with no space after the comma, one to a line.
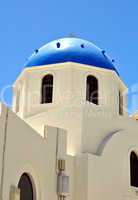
(68,135)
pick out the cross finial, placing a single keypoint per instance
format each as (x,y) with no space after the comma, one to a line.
(72,35)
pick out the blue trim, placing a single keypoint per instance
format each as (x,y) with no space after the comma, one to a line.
(71,50)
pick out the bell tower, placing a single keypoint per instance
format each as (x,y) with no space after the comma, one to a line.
(63,83)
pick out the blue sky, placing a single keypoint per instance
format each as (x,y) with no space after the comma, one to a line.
(110,24)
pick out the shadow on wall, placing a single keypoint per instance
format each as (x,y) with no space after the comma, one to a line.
(105,141)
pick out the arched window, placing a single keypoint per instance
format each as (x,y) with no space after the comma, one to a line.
(47,89)
(134,169)
(17,104)
(26,188)
(92,89)
(120,103)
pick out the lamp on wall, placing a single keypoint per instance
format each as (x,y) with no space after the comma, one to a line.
(14,193)
(62,181)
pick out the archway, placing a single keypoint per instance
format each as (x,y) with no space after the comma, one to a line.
(47,89)
(92,89)
(26,188)
(134,169)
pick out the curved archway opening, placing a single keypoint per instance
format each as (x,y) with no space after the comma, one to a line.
(92,90)
(120,103)
(26,188)
(134,169)
(47,89)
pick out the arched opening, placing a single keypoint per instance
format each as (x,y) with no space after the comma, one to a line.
(134,169)
(26,188)
(47,89)
(92,89)
(17,103)
(120,103)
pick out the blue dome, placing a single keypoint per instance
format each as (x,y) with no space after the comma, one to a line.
(71,50)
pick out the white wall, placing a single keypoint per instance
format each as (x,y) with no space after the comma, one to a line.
(26,151)
(69,98)
(109,174)
(99,165)
(69,86)
(97,125)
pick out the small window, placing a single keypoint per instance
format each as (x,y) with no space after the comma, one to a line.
(134,169)
(26,188)
(120,103)
(47,89)
(92,89)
